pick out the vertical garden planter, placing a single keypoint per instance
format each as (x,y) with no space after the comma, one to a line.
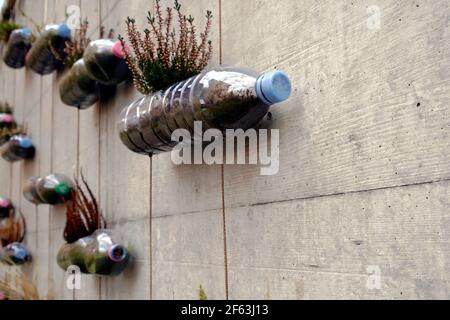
(96,254)
(40,57)
(12,233)
(105,62)
(52,189)
(77,88)
(17,48)
(18,147)
(223,99)
(90,246)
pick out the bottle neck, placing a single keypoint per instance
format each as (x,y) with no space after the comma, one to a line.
(62,189)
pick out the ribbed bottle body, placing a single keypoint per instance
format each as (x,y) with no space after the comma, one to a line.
(104,63)
(222,99)
(6,208)
(41,57)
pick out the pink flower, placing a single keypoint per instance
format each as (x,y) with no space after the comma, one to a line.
(2,296)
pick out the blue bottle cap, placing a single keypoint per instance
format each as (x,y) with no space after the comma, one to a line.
(64,31)
(273,87)
(25,142)
(24,32)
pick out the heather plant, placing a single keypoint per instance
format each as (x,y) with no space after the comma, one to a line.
(74,49)
(160,56)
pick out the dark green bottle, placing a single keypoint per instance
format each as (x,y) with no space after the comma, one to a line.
(52,189)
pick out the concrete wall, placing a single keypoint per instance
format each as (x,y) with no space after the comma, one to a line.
(364,180)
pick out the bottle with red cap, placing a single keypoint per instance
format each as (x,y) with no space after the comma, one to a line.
(18,147)
(105,63)
(77,88)
(16,49)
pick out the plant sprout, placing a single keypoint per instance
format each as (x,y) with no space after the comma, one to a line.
(162,57)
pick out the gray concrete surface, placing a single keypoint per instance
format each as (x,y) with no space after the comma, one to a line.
(364,161)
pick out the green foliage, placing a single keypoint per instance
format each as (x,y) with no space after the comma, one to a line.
(202,294)
(6,28)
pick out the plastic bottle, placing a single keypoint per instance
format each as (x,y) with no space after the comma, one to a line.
(225,98)
(17,148)
(15,254)
(105,62)
(95,254)
(40,58)
(7,133)
(77,88)
(52,189)
(17,48)
(6,208)
(6,120)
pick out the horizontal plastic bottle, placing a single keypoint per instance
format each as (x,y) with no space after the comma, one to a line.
(15,254)
(7,9)
(225,98)
(95,254)
(40,57)
(17,48)
(52,189)
(18,147)
(105,62)
(6,208)
(77,88)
